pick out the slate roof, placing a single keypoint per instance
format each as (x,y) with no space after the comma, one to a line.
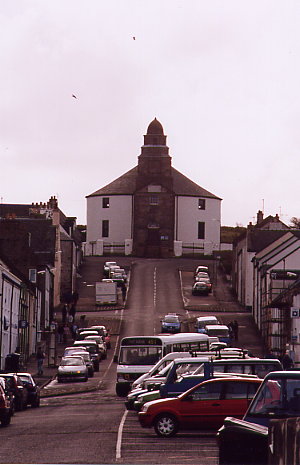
(126,185)
(260,239)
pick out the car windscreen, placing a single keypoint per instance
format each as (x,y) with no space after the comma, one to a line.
(278,398)
(71,362)
(170,319)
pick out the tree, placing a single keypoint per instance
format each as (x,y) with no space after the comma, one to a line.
(295,222)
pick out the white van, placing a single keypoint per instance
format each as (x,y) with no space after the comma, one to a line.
(220,331)
(202,321)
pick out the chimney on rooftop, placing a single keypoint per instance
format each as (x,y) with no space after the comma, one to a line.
(260,217)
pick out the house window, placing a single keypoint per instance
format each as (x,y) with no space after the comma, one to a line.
(201,204)
(153,200)
(201,230)
(105,228)
(105,202)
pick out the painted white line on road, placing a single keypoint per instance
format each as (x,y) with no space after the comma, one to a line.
(115,351)
(184,299)
(154,287)
(120,432)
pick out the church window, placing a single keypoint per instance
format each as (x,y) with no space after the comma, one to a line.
(153,200)
(201,230)
(105,228)
(105,202)
(201,204)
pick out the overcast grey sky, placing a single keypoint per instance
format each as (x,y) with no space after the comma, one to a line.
(223,78)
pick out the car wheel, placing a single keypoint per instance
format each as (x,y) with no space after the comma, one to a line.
(36,403)
(166,425)
(6,420)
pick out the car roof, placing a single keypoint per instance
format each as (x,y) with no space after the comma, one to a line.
(283,374)
(216,327)
(191,360)
(84,342)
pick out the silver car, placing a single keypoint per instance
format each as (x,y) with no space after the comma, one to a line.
(72,368)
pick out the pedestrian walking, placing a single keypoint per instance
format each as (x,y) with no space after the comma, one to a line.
(64,313)
(72,311)
(60,332)
(82,321)
(235,328)
(73,329)
(40,360)
(75,297)
(66,333)
(124,291)
(287,361)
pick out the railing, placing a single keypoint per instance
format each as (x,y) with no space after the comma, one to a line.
(192,249)
(114,248)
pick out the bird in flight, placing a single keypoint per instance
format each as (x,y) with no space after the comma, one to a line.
(74,96)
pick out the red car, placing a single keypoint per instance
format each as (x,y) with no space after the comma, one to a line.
(204,406)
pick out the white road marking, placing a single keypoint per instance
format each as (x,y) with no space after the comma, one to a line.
(115,351)
(120,432)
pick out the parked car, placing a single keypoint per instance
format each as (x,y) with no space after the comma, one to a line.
(72,368)
(100,342)
(203,406)
(102,331)
(81,335)
(170,323)
(246,441)
(9,395)
(87,360)
(71,350)
(33,389)
(106,268)
(200,288)
(16,389)
(5,408)
(200,275)
(202,279)
(118,277)
(201,268)
(93,349)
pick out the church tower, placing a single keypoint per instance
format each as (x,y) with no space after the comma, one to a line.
(154,199)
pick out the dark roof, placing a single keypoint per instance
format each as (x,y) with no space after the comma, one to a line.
(126,185)
(270,220)
(184,186)
(259,239)
(19,210)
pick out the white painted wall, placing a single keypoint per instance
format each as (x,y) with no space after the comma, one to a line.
(187,216)
(119,215)
(9,306)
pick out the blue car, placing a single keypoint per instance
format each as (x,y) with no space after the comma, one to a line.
(170,324)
